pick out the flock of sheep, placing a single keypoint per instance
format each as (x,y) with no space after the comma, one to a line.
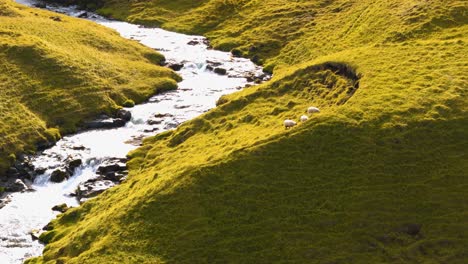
(290,123)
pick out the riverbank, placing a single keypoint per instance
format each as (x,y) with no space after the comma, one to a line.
(56,75)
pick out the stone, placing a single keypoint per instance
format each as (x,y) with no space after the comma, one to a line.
(193,43)
(40,171)
(83,15)
(175,66)
(91,189)
(112,176)
(62,208)
(154,122)
(213,63)
(59,175)
(105,123)
(236,53)
(181,106)
(16,186)
(78,148)
(73,164)
(171,125)
(162,115)
(124,114)
(220,71)
(111,166)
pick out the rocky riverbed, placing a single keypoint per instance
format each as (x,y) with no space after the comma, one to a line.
(81,166)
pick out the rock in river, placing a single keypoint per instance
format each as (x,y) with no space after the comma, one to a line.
(175,66)
(220,71)
(124,114)
(91,188)
(114,165)
(62,208)
(59,175)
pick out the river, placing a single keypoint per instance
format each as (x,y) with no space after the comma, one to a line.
(197,93)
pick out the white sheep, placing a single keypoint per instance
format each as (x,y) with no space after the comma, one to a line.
(289,123)
(313,109)
(304,118)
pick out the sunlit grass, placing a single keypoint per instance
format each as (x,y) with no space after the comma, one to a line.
(234,186)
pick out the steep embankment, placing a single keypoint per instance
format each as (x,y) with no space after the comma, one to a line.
(57,71)
(379,176)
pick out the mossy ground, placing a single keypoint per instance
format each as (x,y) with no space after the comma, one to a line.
(55,74)
(233,186)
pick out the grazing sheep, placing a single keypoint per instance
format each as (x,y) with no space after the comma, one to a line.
(313,109)
(304,118)
(289,123)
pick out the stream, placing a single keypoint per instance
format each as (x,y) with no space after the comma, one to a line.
(30,211)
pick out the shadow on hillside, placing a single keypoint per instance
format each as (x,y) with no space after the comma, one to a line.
(332,194)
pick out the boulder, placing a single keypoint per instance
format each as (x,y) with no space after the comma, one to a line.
(236,53)
(91,189)
(175,66)
(124,114)
(106,123)
(16,186)
(181,106)
(162,115)
(40,171)
(83,15)
(193,43)
(220,71)
(115,177)
(154,122)
(62,208)
(118,122)
(111,166)
(59,175)
(78,148)
(171,125)
(151,130)
(213,63)
(73,164)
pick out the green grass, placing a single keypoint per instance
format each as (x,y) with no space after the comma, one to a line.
(233,186)
(55,74)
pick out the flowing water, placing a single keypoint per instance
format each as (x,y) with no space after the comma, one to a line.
(196,94)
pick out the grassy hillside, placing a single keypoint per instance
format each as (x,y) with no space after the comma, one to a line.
(379,176)
(57,71)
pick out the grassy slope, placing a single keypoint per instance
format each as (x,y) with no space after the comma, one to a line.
(54,74)
(234,186)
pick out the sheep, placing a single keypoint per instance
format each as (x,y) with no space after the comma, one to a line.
(304,118)
(313,109)
(289,123)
